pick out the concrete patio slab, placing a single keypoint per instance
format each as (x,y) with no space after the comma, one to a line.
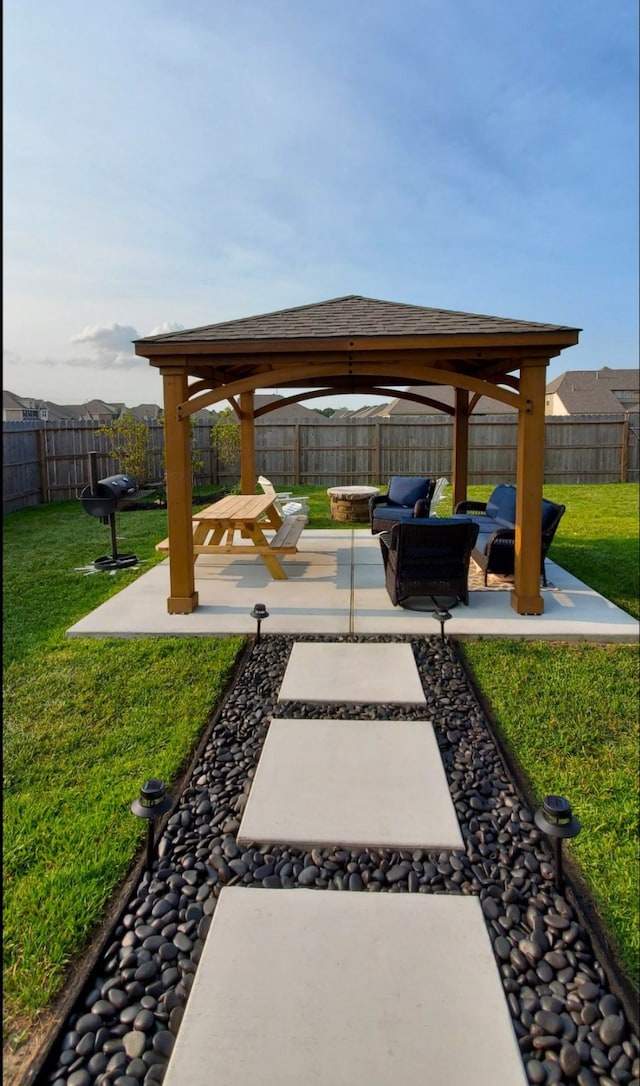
(353,783)
(572,612)
(346,988)
(339,672)
(336,586)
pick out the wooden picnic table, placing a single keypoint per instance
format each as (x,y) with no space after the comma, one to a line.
(215,528)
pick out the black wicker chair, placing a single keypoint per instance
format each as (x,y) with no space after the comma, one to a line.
(495,550)
(406,497)
(428,558)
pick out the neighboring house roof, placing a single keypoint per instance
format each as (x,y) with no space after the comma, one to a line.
(143,411)
(94,410)
(593,392)
(293,412)
(64,411)
(352,316)
(11,402)
(205,415)
(369,411)
(444,394)
(98,409)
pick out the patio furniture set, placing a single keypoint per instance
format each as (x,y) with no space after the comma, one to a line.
(424,556)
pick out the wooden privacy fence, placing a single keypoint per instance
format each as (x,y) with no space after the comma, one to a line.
(48,461)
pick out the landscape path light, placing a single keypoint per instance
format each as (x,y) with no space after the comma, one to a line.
(259,613)
(441,615)
(152,802)
(556,820)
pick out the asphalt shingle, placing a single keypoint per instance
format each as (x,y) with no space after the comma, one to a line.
(353,316)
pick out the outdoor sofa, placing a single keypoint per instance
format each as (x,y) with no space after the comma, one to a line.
(496,519)
(407,497)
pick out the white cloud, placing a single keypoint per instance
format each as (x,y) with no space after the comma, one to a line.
(109,345)
(112,339)
(168,326)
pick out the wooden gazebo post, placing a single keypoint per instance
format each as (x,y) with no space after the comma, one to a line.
(526,598)
(460,446)
(247,444)
(183,598)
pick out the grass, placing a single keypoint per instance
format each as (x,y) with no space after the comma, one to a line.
(87,720)
(569,715)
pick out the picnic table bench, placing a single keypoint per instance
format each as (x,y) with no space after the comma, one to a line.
(215,527)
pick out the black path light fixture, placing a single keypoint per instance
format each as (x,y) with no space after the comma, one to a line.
(441,615)
(152,802)
(556,820)
(259,613)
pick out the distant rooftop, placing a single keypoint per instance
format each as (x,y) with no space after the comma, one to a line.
(595,392)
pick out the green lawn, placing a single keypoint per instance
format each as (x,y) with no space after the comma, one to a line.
(569,715)
(87,720)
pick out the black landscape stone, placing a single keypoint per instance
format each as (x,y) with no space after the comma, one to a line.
(612,1029)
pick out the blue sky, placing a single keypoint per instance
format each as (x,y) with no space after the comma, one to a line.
(176,164)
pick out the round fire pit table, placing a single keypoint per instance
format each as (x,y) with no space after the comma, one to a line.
(351,503)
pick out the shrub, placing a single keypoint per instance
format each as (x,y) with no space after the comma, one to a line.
(225,439)
(128,439)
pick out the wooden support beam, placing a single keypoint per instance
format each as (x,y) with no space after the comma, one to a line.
(286,375)
(460,446)
(526,598)
(183,598)
(247,444)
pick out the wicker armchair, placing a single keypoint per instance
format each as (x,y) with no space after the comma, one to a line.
(406,497)
(495,547)
(428,558)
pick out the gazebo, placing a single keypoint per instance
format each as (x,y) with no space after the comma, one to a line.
(357,345)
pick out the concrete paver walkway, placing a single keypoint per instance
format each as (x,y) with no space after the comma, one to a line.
(388,983)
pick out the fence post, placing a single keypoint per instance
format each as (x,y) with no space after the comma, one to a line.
(42,465)
(376,454)
(296,453)
(624,450)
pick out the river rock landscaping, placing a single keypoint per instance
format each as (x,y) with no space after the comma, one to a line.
(570,1025)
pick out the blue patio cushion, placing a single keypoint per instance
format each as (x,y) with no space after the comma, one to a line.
(501,505)
(485,524)
(407,490)
(394,513)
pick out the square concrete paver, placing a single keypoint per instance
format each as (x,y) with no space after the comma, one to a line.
(342,672)
(304,986)
(351,782)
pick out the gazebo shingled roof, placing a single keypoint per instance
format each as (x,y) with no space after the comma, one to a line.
(352,315)
(357,344)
